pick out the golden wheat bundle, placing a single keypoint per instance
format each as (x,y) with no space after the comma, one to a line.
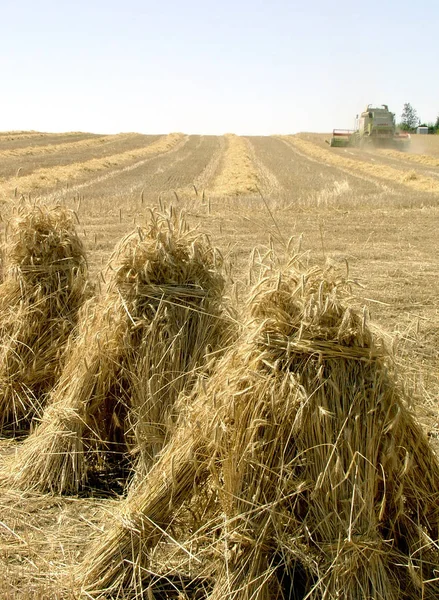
(178,297)
(318,482)
(44,285)
(137,347)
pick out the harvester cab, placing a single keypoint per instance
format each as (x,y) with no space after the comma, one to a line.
(377,122)
(375,126)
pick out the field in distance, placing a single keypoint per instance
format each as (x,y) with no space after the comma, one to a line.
(373,213)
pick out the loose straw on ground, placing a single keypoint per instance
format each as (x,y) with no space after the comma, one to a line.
(309,476)
(238,173)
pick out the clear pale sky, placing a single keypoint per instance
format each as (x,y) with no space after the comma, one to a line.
(202,66)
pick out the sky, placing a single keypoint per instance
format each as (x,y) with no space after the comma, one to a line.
(212,67)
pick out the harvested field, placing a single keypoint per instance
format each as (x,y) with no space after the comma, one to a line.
(44,178)
(184,172)
(11,140)
(371,215)
(423,159)
(31,158)
(303,185)
(418,182)
(70,144)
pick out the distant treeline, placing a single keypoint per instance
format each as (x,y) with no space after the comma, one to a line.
(410,120)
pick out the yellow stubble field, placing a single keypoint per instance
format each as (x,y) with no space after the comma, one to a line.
(373,214)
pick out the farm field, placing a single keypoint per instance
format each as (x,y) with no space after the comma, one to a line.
(372,213)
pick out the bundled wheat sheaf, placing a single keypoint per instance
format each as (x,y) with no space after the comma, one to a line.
(138,346)
(296,471)
(44,284)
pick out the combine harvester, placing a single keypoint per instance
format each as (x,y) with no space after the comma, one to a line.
(374,127)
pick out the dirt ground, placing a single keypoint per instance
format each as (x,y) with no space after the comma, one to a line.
(361,211)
